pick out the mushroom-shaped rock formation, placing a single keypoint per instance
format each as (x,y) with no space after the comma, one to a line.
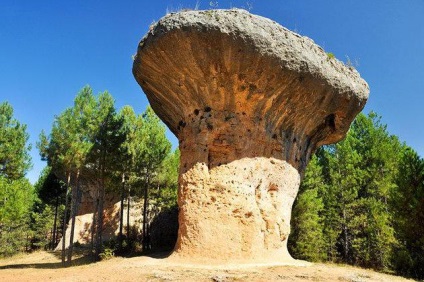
(249,101)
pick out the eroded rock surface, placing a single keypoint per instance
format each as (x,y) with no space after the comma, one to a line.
(239,210)
(84,219)
(249,101)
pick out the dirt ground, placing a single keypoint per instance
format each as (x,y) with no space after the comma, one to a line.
(46,266)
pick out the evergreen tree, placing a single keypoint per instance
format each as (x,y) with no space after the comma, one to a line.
(166,181)
(380,153)
(408,207)
(359,176)
(307,238)
(66,151)
(14,158)
(16,199)
(42,220)
(16,193)
(150,153)
(130,125)
(50,191)
(105,154)
(345,174)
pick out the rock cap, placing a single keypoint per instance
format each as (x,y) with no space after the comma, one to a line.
(233,62)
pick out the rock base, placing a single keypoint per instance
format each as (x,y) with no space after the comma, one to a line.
(239,211)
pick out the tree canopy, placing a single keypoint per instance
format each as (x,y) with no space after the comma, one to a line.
(16,193)
(360,202)
(14,158)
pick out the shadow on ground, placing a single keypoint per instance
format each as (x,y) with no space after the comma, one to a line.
(157,254)
(83,257)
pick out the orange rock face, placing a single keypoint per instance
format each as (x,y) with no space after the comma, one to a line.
(84,219)
(250,102)
(237,211)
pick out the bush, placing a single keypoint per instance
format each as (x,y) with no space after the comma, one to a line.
(107,253)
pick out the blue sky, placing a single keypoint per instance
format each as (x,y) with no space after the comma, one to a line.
(50,49)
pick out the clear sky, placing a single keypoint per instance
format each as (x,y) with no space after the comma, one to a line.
(50,49)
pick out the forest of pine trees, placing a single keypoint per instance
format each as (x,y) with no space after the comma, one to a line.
(90,144)
(361,201)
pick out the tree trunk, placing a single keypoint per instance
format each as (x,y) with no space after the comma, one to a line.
(99,237)
(74,208)
(346,244)
(68,183)
(146,237)
(53,242)
(128,213)
(93,224)
(121,215)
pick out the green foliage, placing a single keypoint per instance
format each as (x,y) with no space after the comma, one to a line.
(408,206)
(330,56)
(70,140)
(16,193)
(107,254)
(307,239)
(167,181)
(89,142)
(16,198)
(155,146)
(108,151)
(357,182)
(49,187)
(42,224)
(364,198)
(14,158)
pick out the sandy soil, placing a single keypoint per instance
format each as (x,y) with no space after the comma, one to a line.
(45,266)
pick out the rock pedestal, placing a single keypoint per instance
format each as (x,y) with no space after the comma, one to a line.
(231,215)
(235,194)
(249,101)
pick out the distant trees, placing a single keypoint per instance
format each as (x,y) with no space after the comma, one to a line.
(67,148)
(91,143)
(16,198)
(92,146)
(144,153)
(307,218)
(358,200)
(408,208)
(155,148)
(48,209)
(16,193)
(14,158)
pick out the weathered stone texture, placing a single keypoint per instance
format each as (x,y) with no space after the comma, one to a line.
(238,211)
(249,101)
(84,218)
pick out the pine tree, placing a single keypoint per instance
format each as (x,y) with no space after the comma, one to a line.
(408,207)
(380,153)
(16,199)
(50,191)
(14,158)
(150,154)
(166,181)
(360,172)
(16,193)
(345,174)
(66,151)
(126,161)
(307,238)
(107,142)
